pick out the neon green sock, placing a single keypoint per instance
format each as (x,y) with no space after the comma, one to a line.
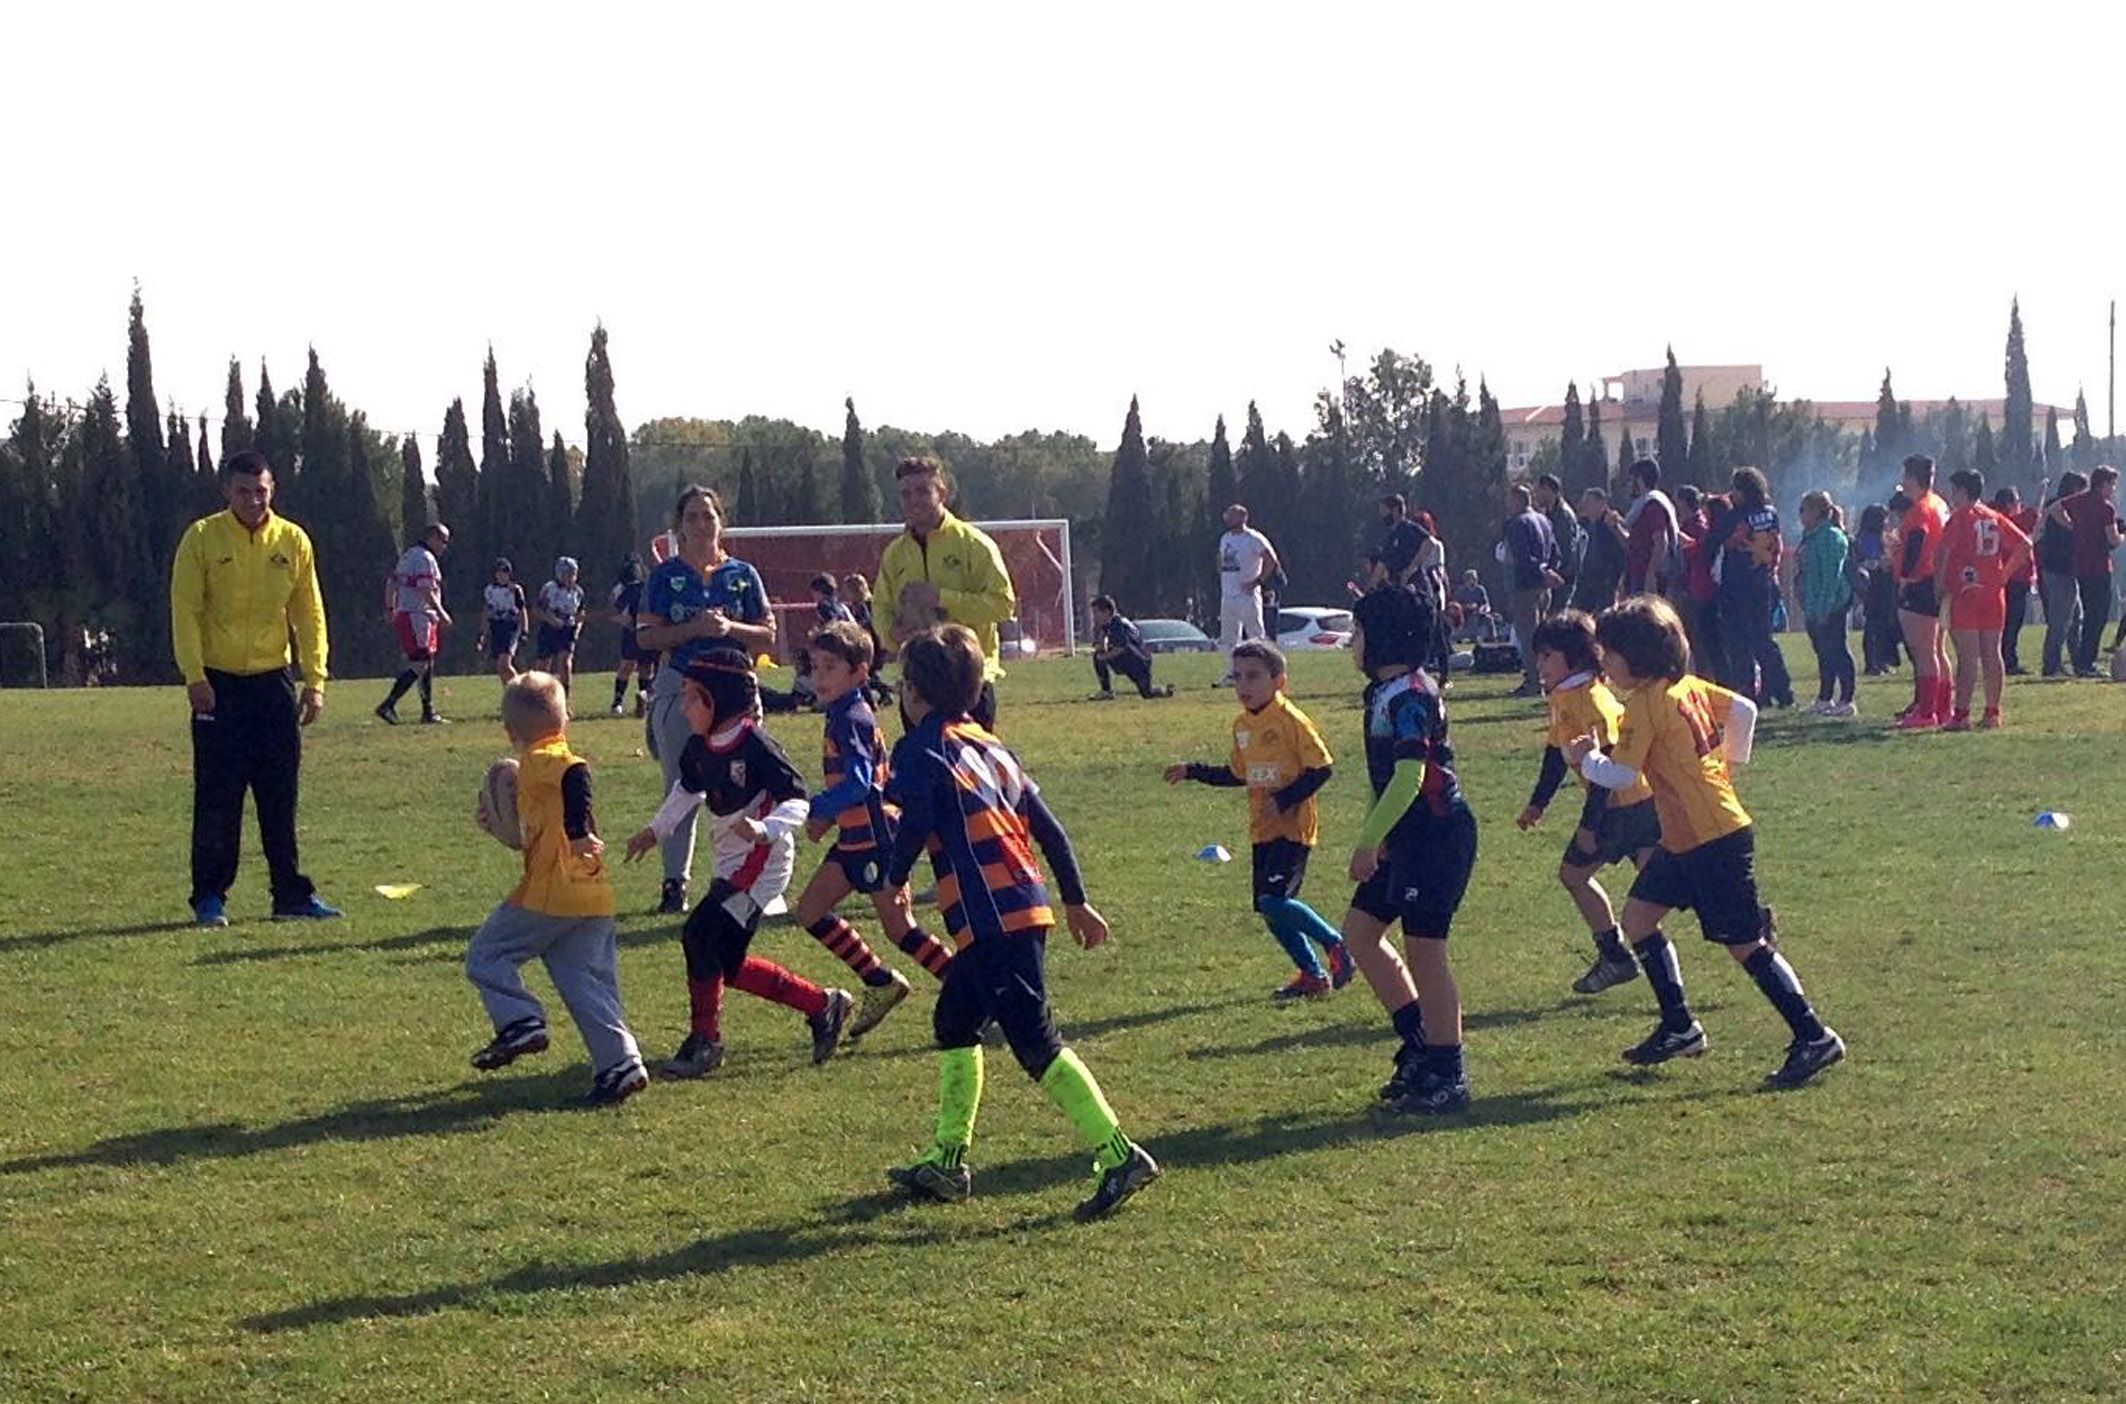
(1070,1085)
(959,1098)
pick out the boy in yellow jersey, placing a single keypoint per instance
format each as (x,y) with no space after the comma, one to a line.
(1682,734)
(562,910)
(1282,760)
(1613,826)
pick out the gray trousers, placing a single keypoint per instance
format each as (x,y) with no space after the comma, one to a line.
(2063,607)
(1529,607)
(666,731)
(582,956)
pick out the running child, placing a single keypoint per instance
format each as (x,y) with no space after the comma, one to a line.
(1414,855)
(561,911)
(559,610)
(635,660)
(413,596)
(1281,759)
(756,801)
(853,807)
(502,616)
(1981,551)
(1613,828)
(1682,735)
(968,801)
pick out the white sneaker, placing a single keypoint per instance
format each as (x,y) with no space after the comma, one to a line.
(1821,708)
(1842,709)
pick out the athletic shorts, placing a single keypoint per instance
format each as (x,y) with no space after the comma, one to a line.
(1421,881)
(1280,869)
(865,868)
(417,636)
(554,641)
(1618,833)
(631,650)
(1918,597)
(1717,880)
(1985,611)
(502,637)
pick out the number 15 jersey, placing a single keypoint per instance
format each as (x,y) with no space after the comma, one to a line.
(1671,735)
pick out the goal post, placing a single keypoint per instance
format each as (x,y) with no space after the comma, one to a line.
(1036,553)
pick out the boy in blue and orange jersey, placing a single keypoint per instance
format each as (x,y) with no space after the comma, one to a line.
(562,908)
(1415,852)
(1682,735)
(853,807)
(1282,760)
(967,800)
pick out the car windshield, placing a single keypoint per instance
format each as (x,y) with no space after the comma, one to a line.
(1169,629)
(1334,621)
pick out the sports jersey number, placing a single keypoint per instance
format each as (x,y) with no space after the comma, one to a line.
(1986,538)
(1704,731)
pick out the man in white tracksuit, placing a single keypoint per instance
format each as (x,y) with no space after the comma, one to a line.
(1245,560)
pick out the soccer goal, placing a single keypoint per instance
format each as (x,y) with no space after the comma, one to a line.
(1036,554)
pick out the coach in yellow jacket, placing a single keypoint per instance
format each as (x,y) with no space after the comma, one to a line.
(243,582)
(942,569)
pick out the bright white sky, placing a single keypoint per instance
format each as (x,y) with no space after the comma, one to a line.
(971,217)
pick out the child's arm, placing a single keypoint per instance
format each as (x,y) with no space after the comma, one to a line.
(1395,800)
(576,819)
(1301,790)
(912,791)
(669,816)
(1086,924)
(1737,716)
(1547,781)
(1219,775)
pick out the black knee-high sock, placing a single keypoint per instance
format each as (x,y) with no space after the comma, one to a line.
(1410,1024)
(428,691)
(1657,955)
(399,686)
(1783,988)
(619,690)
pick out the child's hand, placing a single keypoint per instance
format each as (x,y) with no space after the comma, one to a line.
(1578,749)
(1364,863)
(589,846)
(641,843)
(817,826)
(1175,774)
(1087,925)
(1530,817)
(750,830)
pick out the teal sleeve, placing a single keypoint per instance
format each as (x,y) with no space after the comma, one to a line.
(1394,802)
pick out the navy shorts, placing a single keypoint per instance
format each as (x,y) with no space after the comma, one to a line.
(1423,878)
(553,641)
(1619,835)
(502,637)
(865,868)
(630,649)
(1919,597)
(1002,978)
(1717,880)
(1280,869)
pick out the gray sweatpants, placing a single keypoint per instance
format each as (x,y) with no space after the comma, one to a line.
(581,954)
(667,732)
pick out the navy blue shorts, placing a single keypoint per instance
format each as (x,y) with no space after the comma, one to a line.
(1280,869)
(502,637)
(865,868)
(1619,835)
(1422,880)
(553,641)
(1717,880)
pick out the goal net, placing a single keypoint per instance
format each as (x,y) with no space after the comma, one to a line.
(1036,555)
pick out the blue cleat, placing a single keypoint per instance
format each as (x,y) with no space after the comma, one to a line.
(210,912)
(311,908)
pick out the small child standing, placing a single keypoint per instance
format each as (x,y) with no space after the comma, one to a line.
(756,801)
(1613,827)
(1681,735)
(1414,855)
(562,909)
(1281,759)
(853,806)
(502,613)
(968,801)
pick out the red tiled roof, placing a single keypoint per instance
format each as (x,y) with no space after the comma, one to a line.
(1841,411)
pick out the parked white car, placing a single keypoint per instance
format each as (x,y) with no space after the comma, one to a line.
(1301,628)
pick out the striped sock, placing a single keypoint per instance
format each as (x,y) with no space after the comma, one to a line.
(927,950)
(840,937)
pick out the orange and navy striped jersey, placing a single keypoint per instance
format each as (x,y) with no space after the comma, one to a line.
(967,801)
(855,770)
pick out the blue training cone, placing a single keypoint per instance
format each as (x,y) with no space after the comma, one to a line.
(1213,853)
(2052,819)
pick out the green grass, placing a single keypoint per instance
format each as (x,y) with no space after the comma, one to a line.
(253,1164)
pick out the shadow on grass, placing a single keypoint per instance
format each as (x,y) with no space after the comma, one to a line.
(39,940)
(1077,1030)
(469,1106)
(412,940)
(1375,1031)
(1866,731)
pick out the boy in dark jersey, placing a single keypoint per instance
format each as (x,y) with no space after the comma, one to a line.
(1414,853)
(1118,647)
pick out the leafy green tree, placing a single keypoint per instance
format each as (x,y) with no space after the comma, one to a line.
(1671,433)
(206,484)
(1385,414)
(860,494)
(362,550)
(236,433)
(1949,428)
(2018,440)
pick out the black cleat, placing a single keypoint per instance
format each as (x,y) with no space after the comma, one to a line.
(434,719)
(697,1057)
(1665,1043)
(827,1025)
(1434,1094)
(618,1083)
(387,714)
(511,1042)
(672,900)
(927,1179)
(1409,1067)
(1119,1182)
(1805,1060)
(1604,973)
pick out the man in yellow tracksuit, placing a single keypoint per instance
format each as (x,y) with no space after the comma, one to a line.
(942,570)
(244,580)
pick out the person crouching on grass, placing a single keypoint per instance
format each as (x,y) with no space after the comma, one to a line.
(853,807)
(756,801)
(968,801)
(1682,735)
(1118,647)
(1415,852)
(562,909)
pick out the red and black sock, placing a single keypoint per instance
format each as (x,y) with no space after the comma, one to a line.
(927,950)
(850,949)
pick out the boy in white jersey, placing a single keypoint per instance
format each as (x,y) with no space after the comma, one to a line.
(502,619)
(413,601)
(559,611)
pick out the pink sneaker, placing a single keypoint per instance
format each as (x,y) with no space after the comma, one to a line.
(1959,722)
(1918,721)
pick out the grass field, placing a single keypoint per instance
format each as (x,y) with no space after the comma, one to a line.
(254,1164)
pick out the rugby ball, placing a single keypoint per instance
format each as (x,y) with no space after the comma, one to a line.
(497,811)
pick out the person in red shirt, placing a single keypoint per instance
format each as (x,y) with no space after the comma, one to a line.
(1918,601)
(2093,516)
(1981,551)
(2009,503)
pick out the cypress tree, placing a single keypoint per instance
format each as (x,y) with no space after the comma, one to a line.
(2018,441)
(1951,438)
(121,577)
(466,568)
(2084,449)
(1126,544)
(363,551)
(277,437)
(808,503)
(1704,453)
(1572,439)
(560,503)
(1982,451)
(414,512)
(747,510)
(1221,489)
(1889,433)
(235,426)
(1253,466)
(206,486)
(2053,454)
(182,471)
(1627,454)
(1671,434)
(1593,468)
(860,497)
(605,518)
(497,522)
(520,491)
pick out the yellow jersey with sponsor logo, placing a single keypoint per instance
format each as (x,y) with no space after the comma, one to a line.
(1583,705)
(1671,735)
(237,594)
(1271,749)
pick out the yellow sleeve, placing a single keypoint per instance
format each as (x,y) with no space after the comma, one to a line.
(1605,712)
(306,612)
(188,602)
(886,592)
(990,598)
(1313,751)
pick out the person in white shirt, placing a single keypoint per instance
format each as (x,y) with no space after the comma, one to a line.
(502,619)
(1246,559)
(413,602)
(559,610)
